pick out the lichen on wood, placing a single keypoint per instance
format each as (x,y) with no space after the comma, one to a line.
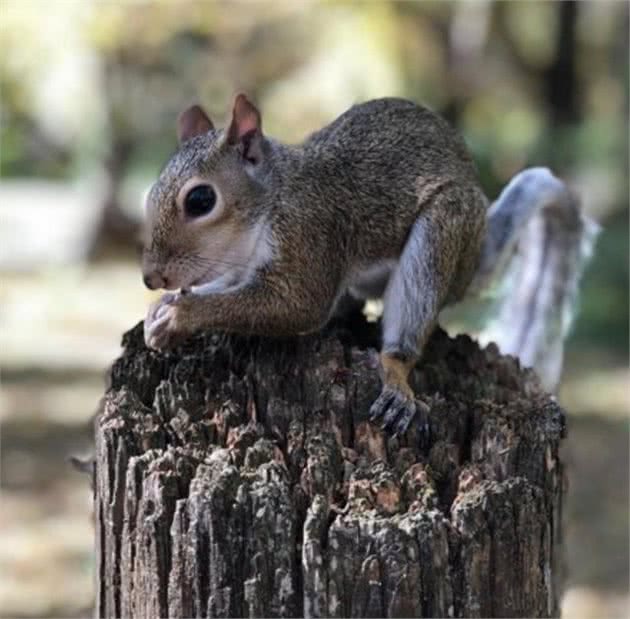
(241,477)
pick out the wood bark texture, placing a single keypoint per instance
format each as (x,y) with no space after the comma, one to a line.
(241,478)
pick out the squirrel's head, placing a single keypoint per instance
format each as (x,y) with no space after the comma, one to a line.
(202,216)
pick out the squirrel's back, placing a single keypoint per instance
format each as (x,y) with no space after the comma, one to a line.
(386,162)
(397,136)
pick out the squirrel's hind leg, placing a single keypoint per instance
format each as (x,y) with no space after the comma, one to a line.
(415,293)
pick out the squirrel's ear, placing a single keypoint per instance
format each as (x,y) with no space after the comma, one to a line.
(192,122)
(245,130)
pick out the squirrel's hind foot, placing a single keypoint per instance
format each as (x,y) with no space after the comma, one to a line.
(396,410)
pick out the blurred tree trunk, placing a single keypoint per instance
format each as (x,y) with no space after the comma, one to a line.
(240,477)
(116,234)
(561,78)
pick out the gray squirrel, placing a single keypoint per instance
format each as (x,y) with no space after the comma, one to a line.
(269,239)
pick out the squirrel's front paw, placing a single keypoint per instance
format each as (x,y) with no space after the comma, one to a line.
(163,326)
(397,409)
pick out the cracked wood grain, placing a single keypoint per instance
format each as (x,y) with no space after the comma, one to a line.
(240,477)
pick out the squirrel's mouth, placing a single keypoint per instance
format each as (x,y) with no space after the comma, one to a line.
(211,282)
(208,277)
(197,287)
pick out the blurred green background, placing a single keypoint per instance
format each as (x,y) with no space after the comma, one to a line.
(90,92)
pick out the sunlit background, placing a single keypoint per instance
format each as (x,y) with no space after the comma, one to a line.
(90,92)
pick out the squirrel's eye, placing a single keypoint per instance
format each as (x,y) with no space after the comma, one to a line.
(200,200)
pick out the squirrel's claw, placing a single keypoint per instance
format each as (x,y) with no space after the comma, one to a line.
(160,325)
(394,408)
(397,410)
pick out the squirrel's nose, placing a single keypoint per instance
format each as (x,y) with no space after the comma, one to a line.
(153,281)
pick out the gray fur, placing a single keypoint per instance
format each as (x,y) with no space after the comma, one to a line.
(537,244)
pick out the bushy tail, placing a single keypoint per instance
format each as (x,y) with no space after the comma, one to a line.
(536,247)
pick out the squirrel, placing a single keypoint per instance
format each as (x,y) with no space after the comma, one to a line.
(264,238)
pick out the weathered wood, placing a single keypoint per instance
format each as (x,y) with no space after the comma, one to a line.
(241,477)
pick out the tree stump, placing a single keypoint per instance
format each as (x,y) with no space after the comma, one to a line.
(240,477)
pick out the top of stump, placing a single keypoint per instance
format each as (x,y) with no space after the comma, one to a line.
(302,404)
